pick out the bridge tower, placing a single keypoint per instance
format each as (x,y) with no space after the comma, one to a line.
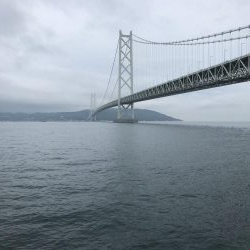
(125,78)
(92,109)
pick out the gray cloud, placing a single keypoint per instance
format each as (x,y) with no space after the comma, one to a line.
(12,20)
(55,53)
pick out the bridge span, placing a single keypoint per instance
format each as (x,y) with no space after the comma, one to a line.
(229,70)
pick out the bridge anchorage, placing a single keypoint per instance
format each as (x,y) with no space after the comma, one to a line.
(175,67)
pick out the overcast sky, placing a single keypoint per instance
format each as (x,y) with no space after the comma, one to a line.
(55,53)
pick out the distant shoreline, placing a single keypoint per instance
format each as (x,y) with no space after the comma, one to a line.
(106,115)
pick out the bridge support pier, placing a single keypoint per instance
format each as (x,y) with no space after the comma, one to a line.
(125,111)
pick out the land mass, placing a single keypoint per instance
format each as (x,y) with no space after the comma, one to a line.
(106,115)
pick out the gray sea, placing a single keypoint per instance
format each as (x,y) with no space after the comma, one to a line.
(76,185)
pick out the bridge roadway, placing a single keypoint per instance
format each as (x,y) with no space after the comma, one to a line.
(229,72)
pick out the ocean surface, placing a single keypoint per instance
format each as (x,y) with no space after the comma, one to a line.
(76,185)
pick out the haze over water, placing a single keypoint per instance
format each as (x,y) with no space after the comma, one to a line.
(77,185)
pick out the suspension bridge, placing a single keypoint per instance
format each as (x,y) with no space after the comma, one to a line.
(149,69)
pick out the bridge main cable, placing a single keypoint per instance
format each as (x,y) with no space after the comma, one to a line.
(146,41)
(110,75)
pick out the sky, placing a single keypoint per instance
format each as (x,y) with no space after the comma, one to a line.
(55,53)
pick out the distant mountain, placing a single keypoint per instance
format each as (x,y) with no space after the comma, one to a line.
(106,115)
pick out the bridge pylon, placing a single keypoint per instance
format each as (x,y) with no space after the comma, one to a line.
(125,78)
(92,115)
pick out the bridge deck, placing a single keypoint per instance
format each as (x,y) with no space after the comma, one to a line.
(229,72)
